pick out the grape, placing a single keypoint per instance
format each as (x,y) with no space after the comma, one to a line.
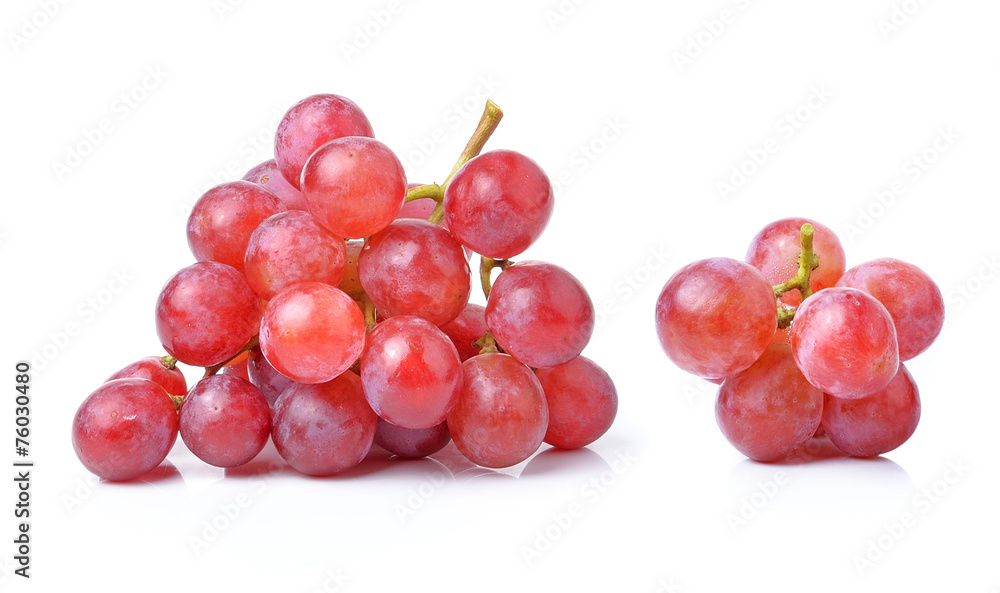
(411,372)
(769,410)
(715,317)
(844,342)
(225,421)
(237,368)
(498,203)
(289,248)
(411,443)
(776,248)
(582,402)
(877,423)
(324,429)
(466,329)
(421,208)
(312,332)
(501,416)
(268,176)
(311,123)
(354,186)
(913,300)
(124,429)
(415,267)
(351,283)
(152,368)
(270,382)
(540,314)
(222,220)
(206,313)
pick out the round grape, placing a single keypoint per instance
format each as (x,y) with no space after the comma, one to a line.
(225,421)
(582,402)
(410,443)
(153,368)
(270,382)
(875,424)
(776,248)
(467,329)
(268,176)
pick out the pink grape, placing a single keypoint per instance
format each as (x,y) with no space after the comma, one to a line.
(498,203)
(354,186)
(715,317)
(415,267)
(324,429)
(466,329)
(844,342)
(410,443)
(875,424)
(421,209)
(268,176)
(769,410)
(912,298)
(312,332)
(206,313)
(311,123)
(411,372)
(270,382)
(289,248)
(540,314)
(776,248)
(152,368)
(501,417)
(225,421)
(222,220)
(582,402)
(124,429)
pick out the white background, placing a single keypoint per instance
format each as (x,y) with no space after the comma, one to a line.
(675,507)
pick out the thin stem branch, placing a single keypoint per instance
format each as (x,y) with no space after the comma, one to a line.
(488,123)
(212,370)
(808,261)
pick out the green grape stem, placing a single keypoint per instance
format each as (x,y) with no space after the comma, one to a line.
(487,343)
(808,261)
(488,123)
(486,267)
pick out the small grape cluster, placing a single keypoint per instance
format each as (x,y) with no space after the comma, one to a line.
(801,347)
(334,299)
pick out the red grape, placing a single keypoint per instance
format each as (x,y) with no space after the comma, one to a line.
(466,329)
(268,176)
(540,314)
(152,368)
(421,209)
(312,332)
(501,416)
(324,429)
(582,402)
(877,423)
(715,317)
(354,186)
(769,410)
(206,313)
(913,300)
(415,267)
(498,203)
(222,220)
(776,248)
(411,372)
(351,283)
(270,382)
(225,421)
(844,342)
(311,123)
(124,429)
(411,443)
(289,248)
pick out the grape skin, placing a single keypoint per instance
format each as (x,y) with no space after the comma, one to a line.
(410,443)
(715,317)
(912,298)
(311,123)
(411,372)
(152,368)
(844,342)
(268,176)
(323,429)
(498,203)
(312,332)
(225,421)
(206,313)
(466,329)
(582,402)
(540,314)
(875,424)
(501,417)
(776,248)
(124,429)
(260,372)
(769,410)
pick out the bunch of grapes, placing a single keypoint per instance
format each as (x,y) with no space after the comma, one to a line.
(800,346)
(329,306)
